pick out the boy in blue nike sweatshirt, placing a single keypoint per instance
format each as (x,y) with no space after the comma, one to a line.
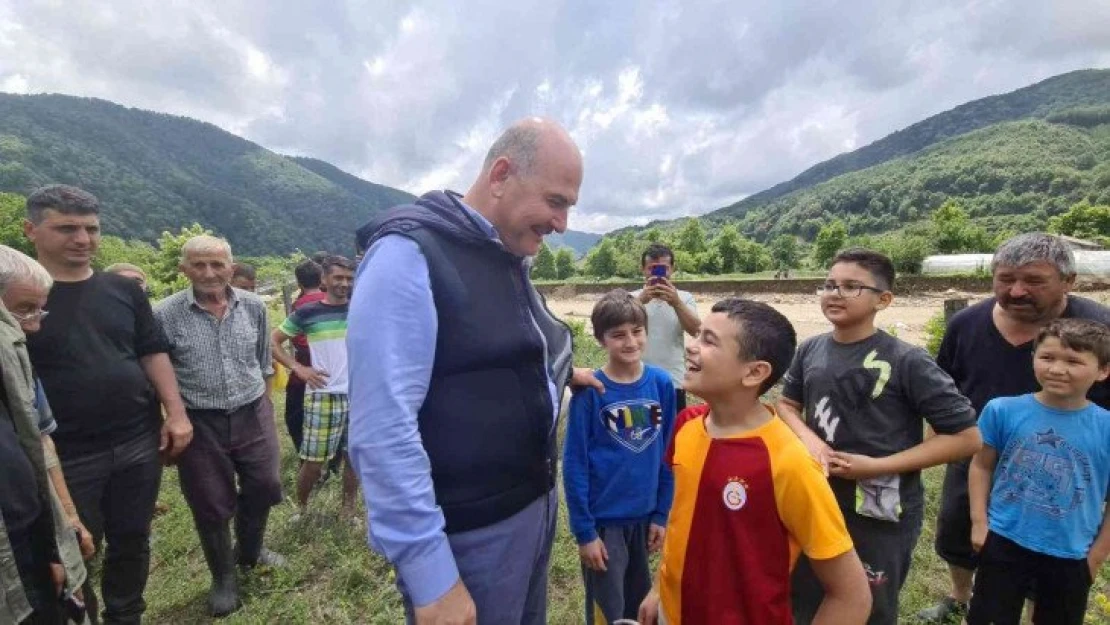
(618,489)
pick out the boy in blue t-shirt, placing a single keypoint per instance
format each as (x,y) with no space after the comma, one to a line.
(618,489)
(1048,454)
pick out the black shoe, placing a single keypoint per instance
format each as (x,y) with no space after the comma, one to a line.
(948,611)
(223,598)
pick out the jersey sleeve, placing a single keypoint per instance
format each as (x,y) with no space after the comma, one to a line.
(691,413)
(809,510)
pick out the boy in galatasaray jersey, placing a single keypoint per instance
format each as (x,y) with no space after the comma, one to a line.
(748,496)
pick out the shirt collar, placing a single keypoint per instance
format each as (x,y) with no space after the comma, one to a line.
(232,297)
(486,225)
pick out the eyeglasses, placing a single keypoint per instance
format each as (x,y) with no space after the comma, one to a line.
(39,314)
(846,290)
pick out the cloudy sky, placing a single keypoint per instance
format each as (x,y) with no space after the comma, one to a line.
(679,107)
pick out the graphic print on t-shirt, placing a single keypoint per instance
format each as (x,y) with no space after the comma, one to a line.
(634,424)
(852,390)
(1038,472)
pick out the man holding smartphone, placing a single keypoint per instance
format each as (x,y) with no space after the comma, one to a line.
(671,313)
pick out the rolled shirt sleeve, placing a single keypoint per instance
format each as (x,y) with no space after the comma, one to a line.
(391,343)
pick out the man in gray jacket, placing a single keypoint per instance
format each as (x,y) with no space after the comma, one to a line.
(40,559)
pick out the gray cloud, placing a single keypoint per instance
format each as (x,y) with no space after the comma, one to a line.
(679,108)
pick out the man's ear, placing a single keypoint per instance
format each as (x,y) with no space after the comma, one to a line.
(499,173)
(29,230)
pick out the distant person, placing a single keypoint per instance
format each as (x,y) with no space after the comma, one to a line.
(221,353)
(457,373)
(128,270)
(672,314)
(866,397)
(1037,489)
(308,275)
(326,406)
(618,490)
(988,351)
(103,361)
(244,276)
(41,568)
(748,497)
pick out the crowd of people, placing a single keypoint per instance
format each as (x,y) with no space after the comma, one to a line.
(430,372)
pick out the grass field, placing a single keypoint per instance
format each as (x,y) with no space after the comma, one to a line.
(333,577)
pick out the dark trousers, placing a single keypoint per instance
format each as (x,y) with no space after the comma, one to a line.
(294,412)
(617,592)
(115,490)
(1007,572)
(228,444)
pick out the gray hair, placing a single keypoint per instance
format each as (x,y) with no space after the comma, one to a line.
(1033,247)
(205,244)
(519,144)
(15,266)
(63,198)
(121,267)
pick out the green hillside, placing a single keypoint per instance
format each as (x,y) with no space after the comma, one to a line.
(156,172)
(1082,88)
(1011,175)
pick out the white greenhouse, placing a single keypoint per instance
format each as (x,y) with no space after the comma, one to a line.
(1089,264)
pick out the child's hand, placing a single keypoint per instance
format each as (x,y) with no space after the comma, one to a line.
(594,555)
(818,448)
(854,466)
(656,533)
(979,535)
(1093,565)
(649,609)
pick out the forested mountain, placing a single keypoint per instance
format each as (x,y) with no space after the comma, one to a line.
(580,242)
(1084,88)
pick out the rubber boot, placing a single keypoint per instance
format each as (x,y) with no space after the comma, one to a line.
(223,598)
(250,529)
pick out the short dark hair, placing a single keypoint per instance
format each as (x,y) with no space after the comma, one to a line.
(308,274)
(320,257)
(1081,335)
(765,334)
(244,270)
(876,264)
(657,251)
(616,308)
(336,261)
(65,199)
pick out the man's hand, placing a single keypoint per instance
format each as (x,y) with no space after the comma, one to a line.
(647,293)
(314,378)
(594,555)
(454,608)
(58,577)
(854,466)
(978,535)
(656,534)
(649,609)
(177,433)
(667,292)
(84,538)
(584,376)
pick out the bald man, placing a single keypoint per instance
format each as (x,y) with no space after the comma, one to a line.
(457,371)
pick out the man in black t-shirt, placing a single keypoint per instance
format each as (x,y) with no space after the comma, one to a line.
(988,351)
(104,363)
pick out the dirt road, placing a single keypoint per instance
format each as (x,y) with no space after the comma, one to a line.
(907,315)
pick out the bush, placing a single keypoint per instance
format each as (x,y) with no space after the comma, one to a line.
(934,333)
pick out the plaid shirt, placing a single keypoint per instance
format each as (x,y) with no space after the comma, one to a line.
(220,364)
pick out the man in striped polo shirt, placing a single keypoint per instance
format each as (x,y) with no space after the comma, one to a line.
(324,324)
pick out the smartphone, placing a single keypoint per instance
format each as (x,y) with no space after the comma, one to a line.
(658,272)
